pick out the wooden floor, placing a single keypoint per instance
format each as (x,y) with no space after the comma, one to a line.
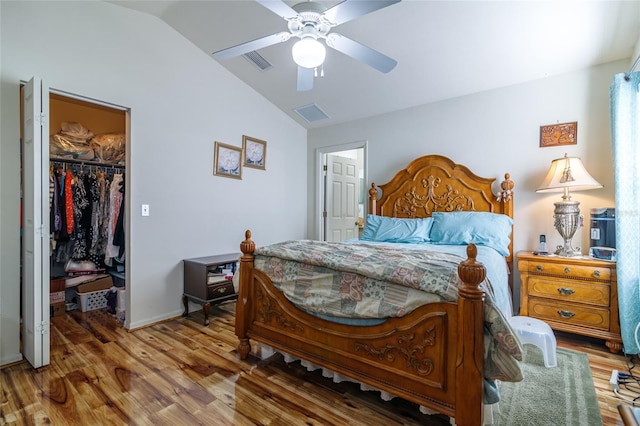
(180,373)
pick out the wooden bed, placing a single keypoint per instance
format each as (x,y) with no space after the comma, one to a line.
(432,356)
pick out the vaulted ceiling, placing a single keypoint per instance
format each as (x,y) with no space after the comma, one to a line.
(444,49)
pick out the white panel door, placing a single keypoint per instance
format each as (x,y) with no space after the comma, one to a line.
(35,224)
(342,201)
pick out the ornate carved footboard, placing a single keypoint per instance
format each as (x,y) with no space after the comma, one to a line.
(432,356)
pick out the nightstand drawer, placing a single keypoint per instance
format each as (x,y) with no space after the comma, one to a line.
(569,313)
(220,290)
(570,290)
(575,271)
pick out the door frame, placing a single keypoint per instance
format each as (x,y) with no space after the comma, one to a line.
(321,186)
(42,355)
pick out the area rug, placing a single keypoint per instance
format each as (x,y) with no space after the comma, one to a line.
(563,395)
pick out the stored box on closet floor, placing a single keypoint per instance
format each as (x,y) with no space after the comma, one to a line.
(57,309)
(93,295)
(57,297)
(102,283)
(57,284)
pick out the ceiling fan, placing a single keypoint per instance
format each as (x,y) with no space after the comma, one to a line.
(310,22)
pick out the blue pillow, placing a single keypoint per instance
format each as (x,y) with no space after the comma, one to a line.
(396,230)
(370,227)
(482,228)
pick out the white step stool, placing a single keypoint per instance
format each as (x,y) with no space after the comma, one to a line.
(537,333)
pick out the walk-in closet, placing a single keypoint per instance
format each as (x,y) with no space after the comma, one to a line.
(87,172)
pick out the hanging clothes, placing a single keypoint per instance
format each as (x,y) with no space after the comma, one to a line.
(115,201)
(68,200)
(85,203)
(81,218)
(105,207)
(57,208)
(118,234)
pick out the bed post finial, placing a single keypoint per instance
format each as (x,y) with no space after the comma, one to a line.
(472,273)
(373,198)
(506,187)
(247,246)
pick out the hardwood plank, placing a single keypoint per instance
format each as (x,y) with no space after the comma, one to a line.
(181,372)
(219,413)
(174,414)
(88,386)
(66,356)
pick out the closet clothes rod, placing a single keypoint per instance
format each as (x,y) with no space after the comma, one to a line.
(627,76)
(86,163)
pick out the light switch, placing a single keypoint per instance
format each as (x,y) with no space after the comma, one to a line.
(145,210)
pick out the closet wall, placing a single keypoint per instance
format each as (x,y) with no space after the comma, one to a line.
(97,118)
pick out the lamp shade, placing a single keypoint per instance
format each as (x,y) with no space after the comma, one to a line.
(308,53)
(567,173)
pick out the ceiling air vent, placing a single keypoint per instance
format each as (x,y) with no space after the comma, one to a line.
(258,60)
(311,113)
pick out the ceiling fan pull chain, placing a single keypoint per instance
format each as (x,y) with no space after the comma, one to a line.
(315,71)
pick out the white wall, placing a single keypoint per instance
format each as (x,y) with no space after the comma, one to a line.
(493,133)
(181,101)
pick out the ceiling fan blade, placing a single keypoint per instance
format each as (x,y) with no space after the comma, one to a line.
(351,9)
(250,46)
(305,79)
(364,54)
(279,7)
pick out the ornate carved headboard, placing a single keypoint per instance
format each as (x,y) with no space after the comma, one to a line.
(434,183)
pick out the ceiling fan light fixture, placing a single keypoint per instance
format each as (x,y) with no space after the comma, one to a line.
(308,52)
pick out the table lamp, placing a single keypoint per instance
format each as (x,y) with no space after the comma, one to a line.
(567,173)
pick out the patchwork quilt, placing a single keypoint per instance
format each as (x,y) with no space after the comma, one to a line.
(352,280)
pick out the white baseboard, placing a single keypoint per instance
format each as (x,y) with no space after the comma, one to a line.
(131,326)
(10,359)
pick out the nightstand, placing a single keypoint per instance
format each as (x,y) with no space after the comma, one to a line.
(205,283)
(573,294)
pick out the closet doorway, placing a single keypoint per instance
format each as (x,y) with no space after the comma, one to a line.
(63,136)
(342,191)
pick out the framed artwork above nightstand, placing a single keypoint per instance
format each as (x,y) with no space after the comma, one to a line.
(572,294)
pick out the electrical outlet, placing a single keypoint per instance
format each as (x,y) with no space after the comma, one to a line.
(145,210)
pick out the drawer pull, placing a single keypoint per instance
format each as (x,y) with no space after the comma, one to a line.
(566,291)
(539,268)
(566,270)
(596,273)
(222,290)
(565,314)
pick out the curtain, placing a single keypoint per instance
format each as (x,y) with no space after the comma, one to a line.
(625,135)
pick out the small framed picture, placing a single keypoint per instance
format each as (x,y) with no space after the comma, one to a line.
(255,152)
(227,161)
(559,134)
